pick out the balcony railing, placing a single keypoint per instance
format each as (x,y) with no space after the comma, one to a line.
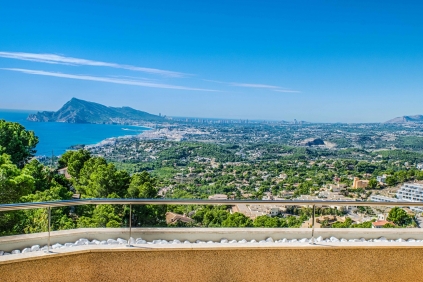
(130,202)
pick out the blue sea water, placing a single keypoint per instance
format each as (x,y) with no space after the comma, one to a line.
(58,137)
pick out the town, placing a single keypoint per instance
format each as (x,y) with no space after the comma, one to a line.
(340,162)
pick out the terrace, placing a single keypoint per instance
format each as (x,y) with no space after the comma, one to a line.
(211,254)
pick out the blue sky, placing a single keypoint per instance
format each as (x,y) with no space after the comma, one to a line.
(321,61)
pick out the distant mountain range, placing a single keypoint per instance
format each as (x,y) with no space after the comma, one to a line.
(80,111)
(407,119)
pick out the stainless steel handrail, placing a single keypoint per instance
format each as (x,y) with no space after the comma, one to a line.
(67,203)
(130,202)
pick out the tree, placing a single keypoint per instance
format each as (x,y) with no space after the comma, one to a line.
(41,174)
(36,220)
(366,224)
(391,180)
(372,183)
(142,186)
(74,161)
(17,142)
(14,183)
(266,221)
(237,220)
(399,217)
(103,216)
(346,224)
(98,179)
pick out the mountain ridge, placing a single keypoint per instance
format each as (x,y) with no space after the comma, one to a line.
(407,119)
(81,111)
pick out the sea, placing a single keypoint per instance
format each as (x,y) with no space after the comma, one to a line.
(57,137)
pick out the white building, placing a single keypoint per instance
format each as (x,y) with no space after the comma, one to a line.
(378,198)
(409,192)
(218,197)
(381,179)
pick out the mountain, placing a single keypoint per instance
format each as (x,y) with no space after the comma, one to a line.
(80,111)
(407,119)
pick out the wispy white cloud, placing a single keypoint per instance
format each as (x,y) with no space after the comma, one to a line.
(57,59)
(286,91)
(251,85)
(107,79)
(255,85)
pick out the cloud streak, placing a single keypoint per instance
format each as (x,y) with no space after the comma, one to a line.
(57,59)
(255,85)
(107,79)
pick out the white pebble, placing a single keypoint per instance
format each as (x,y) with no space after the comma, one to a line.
(187,242)
(112,242)
(319,239)
(14,252)
(44,249)
(56,246)
(35,248)
(164,242)
(140,242)
(210,242)
(82,241)
(262,241)
(253,241)
(293,241)
(334,239)
(233,241)
(270,240)
(1,253)
(122,241)
(176,241)
(224,241)
(26,250)
(131,241)
(103,243)
(284,240)
(304,240)
(68,244)
(363,240)
(243,241)
(411,240)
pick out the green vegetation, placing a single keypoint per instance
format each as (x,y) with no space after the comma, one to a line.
(244,162)
(400,217)
(17,142)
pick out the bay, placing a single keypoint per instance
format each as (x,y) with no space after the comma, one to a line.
(58,136)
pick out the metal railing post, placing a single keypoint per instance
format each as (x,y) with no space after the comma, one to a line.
(130,226)
(49,229)
(312,226)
